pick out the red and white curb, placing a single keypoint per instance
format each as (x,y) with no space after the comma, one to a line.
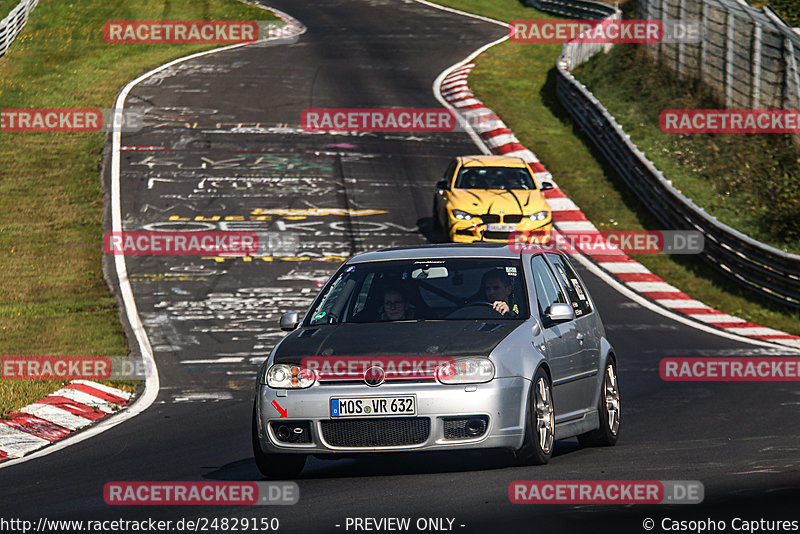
(71,408)
(568,217)
(291,28)
(84,405)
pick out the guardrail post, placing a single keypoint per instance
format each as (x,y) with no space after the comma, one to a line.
(658,46)
(792,78)
(704,44)
(682,43)
(756,62)
(729,59)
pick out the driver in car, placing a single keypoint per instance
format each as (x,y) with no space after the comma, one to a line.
(498,290)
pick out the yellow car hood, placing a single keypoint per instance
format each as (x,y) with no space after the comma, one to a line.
(510,202)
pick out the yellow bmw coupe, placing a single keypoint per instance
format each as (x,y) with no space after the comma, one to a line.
(486,198)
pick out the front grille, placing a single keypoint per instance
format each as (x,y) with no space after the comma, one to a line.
(496,235)
(512,219)
(457,427)
(490,218)
(378,432)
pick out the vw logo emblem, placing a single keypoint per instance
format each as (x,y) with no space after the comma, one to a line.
(374,376)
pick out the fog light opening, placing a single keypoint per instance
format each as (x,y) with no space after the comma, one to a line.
(475,427)
(284,433)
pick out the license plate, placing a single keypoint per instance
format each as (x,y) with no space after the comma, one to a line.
(501,227)
(373,406)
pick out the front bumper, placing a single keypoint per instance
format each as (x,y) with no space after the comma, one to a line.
(462,231)
(502,401)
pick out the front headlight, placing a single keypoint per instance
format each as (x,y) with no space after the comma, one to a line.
(462,215)
(282,376)
(539,215)
(466,371)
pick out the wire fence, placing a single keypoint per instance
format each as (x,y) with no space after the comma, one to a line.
(13,23)
(764,269)
(746,56)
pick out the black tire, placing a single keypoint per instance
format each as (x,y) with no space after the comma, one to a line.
(539,423)
(275,466)
(609,411)
(439,234)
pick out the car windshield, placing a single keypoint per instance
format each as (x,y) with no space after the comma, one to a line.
(422,290)
(494,178)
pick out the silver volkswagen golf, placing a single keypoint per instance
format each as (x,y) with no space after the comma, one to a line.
(434,348)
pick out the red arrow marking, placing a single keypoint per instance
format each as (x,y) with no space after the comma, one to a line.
(280,410)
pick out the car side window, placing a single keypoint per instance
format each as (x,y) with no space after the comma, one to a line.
(451,169)
(548,291)
(361,299)
(569,281)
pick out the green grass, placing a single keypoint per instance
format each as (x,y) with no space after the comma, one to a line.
(750,182)
(517,81)
(788,10)
(6,6)
(53,300)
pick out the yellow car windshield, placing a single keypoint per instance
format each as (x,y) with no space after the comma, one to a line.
(494,178)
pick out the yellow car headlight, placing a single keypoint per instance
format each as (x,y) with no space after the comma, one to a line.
(539,215)
(462,215)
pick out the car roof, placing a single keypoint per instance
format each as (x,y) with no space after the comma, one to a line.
(492,161)
(427,252)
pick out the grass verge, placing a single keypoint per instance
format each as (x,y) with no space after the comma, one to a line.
(53,300)
(517,81)
(750,182)
(788,10)
(6,6)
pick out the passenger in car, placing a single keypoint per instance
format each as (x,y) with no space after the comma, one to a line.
(396,307)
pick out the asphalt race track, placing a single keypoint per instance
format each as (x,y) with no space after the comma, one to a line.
(222,150)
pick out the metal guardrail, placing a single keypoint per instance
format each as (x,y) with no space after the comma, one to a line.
(579,9)
(748,57)
(755,265)
(13,23)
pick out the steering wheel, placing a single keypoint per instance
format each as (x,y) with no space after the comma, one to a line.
(464,312)
(478,303)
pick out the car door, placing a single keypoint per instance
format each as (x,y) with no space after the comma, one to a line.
(587,358)
(562,344)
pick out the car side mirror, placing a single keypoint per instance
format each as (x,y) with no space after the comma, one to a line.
(289,321)
(546,186)
(441,185)
(560,313)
